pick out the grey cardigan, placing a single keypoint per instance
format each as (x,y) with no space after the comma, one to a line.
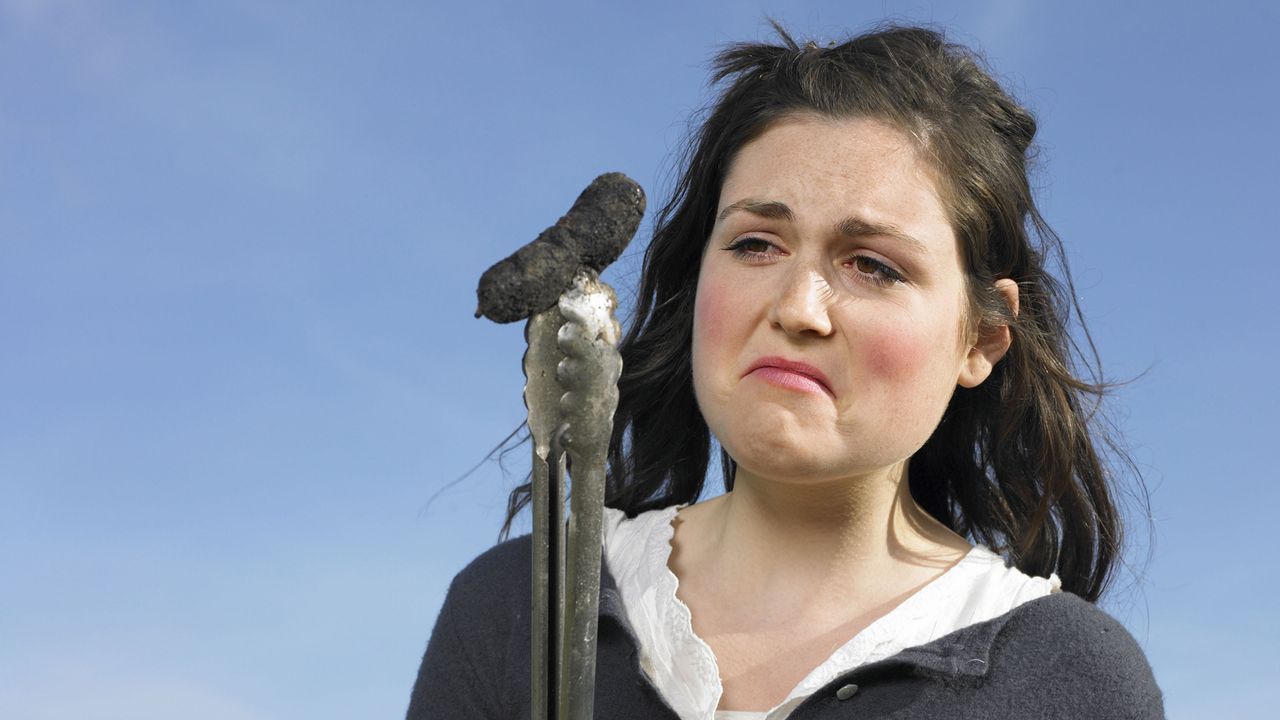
(1054,657)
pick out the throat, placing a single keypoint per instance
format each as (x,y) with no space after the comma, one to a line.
(775,582)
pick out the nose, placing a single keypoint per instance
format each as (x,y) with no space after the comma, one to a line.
(802,306)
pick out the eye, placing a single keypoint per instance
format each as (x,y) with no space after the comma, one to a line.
(874,271)
(752,248)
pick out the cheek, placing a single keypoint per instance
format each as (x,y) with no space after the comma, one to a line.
(713,317)
(898,353)
(908,355)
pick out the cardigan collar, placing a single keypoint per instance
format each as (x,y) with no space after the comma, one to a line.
(964,653)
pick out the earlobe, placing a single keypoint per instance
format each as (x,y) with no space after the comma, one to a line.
(993,342)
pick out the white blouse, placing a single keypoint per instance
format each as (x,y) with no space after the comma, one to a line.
(683,667)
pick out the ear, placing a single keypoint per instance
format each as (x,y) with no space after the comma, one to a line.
(992,343)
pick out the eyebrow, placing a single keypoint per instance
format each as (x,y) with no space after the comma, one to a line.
(851,227)
(764,208)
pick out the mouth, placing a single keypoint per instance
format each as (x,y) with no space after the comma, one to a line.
(791,374)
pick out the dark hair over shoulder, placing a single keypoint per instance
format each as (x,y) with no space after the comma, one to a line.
(1016,463)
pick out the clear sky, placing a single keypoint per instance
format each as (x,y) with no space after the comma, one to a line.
(239,243)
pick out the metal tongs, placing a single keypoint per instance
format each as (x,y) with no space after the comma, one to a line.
(571,391)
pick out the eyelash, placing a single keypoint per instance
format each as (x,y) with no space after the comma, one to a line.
(880,273)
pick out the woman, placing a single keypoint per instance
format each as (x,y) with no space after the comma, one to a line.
(844,291)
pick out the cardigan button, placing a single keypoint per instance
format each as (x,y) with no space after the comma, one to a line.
(846,692)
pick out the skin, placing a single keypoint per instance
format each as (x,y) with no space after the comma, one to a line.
(820,536)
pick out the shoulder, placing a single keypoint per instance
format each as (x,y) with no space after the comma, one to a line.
(490,597)
(1064,623)
(1068,645)
(477,651)
(499,565)
(494,586)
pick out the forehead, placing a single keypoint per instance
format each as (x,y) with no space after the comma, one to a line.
(824,166)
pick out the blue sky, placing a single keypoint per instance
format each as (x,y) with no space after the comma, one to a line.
(239,243)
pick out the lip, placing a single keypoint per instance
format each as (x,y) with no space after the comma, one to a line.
(777,369)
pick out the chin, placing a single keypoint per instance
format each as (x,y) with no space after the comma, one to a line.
(798,454)
(772,456)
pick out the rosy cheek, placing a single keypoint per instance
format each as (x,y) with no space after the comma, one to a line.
(715,313)
(712,313)
(895,352)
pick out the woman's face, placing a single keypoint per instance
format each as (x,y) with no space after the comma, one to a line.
(829,329)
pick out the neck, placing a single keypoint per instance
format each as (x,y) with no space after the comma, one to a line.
(856,536)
